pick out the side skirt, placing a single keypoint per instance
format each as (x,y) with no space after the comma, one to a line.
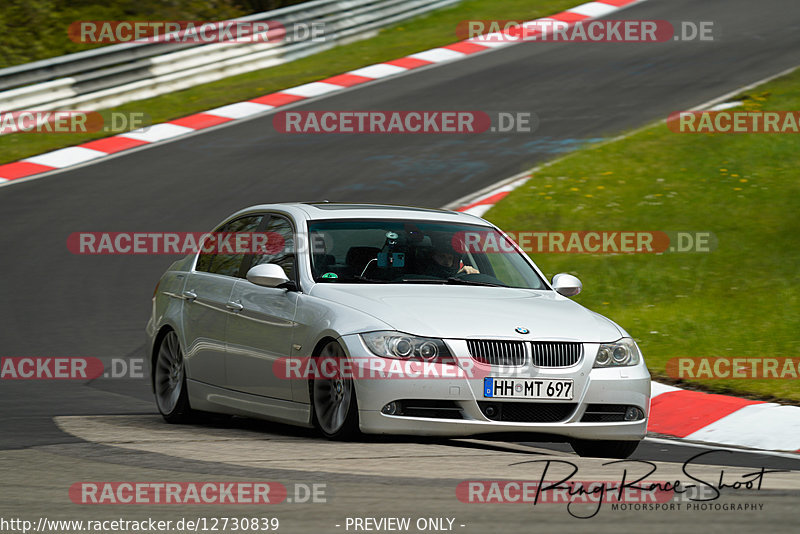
(208,398)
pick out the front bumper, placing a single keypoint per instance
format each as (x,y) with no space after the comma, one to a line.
(612,386)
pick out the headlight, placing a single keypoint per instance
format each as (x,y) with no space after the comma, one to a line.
(620,353)
(407,347)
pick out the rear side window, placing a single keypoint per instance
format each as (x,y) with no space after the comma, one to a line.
(228,264)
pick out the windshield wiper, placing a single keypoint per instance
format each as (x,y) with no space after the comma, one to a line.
(461,281)
(419,280)
(368,280)
(450,280)
(350,280)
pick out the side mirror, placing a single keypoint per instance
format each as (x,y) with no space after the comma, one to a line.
(567,285)
(267,275)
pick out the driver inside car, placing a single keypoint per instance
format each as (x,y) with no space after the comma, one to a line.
(445,260)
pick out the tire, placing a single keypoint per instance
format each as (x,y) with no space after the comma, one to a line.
(334,407)
(169,381)
(604,448)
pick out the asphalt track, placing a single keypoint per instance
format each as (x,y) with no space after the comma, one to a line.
(53,303)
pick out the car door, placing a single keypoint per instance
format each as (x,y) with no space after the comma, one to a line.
(207,305)
(261,332)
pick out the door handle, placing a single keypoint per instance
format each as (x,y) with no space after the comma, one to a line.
(189,295)
(234,306)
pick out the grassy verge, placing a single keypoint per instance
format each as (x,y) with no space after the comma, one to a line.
(741,300)
(38,29)
(429,31)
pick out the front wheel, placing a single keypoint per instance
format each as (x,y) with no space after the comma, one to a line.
(604,448)
(333,399)
(169,381)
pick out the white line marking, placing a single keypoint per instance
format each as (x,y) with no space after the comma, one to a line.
(438,55)
(726,105)
(593,9)
(657,389)
(238,110)
(66,157)
(466,200)
(491,40)
(682,443)
(157,132)
(775,427)
(381,70)
(312,89)
(478,210)
(735,92)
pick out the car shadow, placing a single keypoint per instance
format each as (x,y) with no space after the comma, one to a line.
(492,442)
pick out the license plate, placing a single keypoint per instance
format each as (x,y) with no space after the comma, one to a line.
(527,388)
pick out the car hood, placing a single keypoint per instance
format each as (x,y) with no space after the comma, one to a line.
(460,312)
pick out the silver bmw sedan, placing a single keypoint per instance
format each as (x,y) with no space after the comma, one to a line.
(377,319)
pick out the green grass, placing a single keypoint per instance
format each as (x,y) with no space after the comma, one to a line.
(421,33)
(38,29)
(742,299)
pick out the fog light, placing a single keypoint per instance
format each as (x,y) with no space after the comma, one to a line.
(390,409)
(633,414)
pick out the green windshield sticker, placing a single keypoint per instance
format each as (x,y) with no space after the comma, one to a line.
(330,275)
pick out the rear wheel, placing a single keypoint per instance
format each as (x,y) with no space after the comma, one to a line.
(604,448)
(169,381)
(333,399)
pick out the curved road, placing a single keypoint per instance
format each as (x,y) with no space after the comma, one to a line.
(53,303)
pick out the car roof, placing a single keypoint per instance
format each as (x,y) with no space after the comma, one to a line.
(343,210)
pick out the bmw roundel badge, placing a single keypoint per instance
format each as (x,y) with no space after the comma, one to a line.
(522,330)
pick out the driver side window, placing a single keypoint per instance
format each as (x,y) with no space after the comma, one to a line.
(228,264)
(279,231)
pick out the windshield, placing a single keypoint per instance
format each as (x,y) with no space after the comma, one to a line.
(404,252)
